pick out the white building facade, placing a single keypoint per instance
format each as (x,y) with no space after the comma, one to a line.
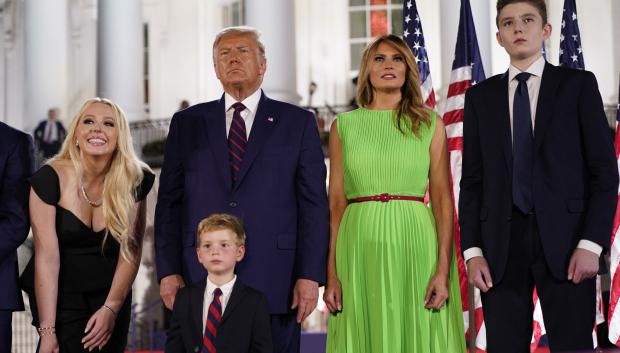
(148,55)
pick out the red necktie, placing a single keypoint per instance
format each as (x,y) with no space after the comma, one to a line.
(237,140)
(213,321)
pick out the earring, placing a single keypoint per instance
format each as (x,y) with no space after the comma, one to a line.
(76,143)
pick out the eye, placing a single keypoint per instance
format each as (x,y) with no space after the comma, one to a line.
(207,246)
(507,24)
(225,245)
(87,121)
(379,59)
(109,124)
(398,58)
(528,20)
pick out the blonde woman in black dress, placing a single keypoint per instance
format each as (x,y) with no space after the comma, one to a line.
(87,209)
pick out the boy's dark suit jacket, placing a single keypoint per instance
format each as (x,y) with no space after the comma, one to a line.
(245,325)
(575,176)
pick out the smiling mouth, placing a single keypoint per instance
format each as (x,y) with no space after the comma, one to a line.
(388,76)
(95,141)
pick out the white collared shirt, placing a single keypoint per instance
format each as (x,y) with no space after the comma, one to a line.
(208,297)
(533,88)
(251,104)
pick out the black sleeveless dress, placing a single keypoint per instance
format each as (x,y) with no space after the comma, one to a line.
(86,269)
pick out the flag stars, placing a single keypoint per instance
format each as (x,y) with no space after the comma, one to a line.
(574,16)
(579,50)
(417,60)
(417,32)
(575,37)
(561,51)
(563,23)
(561,37)
(406,33)
(416,45)
(417,18)
(409,5)
(407,19)
(574,57)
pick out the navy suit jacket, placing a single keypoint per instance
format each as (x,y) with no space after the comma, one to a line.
(575,176)
(280,196)
(244,328)
(16,164)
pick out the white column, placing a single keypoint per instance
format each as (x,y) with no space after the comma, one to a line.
(120,71)
(46,57)
(277,27)
(484,31)
(450,15)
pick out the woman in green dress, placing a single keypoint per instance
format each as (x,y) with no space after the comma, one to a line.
(392,284)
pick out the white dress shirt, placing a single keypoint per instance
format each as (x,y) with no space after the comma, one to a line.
(533,88)
(251,104)
(208,297)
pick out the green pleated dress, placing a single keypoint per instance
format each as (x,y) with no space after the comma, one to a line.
(386,252)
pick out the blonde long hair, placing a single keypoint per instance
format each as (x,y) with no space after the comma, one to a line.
(411,106)
(124,174)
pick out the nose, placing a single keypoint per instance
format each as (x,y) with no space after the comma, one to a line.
(96,126)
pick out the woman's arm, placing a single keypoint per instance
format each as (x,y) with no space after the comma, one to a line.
(47,266)
(101,325)
(443,211)
(337,205)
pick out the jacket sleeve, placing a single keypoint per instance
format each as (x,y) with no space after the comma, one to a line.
(14,191)
(471,179)
(600,162)
(313,227)
(174,336)
(168,237)
(261,330)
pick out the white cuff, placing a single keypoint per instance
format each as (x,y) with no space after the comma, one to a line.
(472,252)
(590,246)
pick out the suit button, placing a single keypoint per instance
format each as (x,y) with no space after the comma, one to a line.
(232,204)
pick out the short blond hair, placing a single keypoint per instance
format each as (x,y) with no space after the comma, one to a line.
(221,221)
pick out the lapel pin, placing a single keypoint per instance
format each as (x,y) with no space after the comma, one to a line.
(270,119)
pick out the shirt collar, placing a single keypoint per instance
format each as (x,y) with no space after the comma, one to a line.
(536,69)
(225,288)
(250,102)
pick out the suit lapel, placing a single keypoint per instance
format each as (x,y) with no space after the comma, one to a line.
(216,133)
(236,297)
(264,122)
(503,110)
(196,303)
(546,95)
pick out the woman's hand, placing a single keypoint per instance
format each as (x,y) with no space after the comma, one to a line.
(437,292)
(99,329)
(333,294)
(49,344)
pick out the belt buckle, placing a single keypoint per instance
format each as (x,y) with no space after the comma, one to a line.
(384,197)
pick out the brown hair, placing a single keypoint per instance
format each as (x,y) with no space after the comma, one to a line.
(411,109)
(538,4)
(221,221)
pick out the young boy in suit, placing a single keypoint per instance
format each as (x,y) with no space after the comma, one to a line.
(220,314)
(538,189)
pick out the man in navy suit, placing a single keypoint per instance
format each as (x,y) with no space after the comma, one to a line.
(16,164)
(538,190)
(261,161)
(50,134)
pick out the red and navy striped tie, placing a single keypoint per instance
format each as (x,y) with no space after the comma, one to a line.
(213,321)
(237,140)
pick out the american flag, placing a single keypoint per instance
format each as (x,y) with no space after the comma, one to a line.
(412,34)
(613,316)
(571,54)
(467,70)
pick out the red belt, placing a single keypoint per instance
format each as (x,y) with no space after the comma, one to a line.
(386,198)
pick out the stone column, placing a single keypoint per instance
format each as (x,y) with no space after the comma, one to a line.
(277,28)
(120,55)
(46,58)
